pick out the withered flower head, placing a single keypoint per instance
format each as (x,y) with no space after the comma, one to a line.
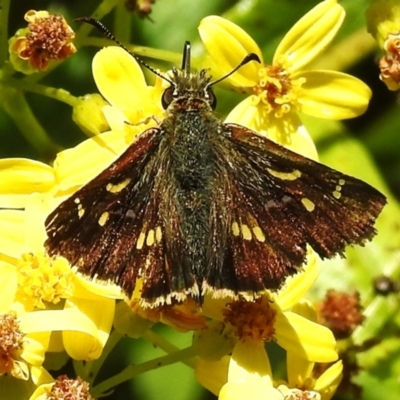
(341,313)
(48,37)
(390,63)
(65,388)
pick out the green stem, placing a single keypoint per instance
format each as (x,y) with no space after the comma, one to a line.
(122,23)
(16,106)
(54,93)
(4,11)
(149,52)
(160,342)
(96,365)
(132,371)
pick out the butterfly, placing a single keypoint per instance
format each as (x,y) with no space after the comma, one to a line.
(195,205)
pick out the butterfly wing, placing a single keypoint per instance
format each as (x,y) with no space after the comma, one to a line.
(279,202)
(115,227)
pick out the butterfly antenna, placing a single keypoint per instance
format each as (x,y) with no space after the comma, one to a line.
(246,60)
(103,29)
(186,58)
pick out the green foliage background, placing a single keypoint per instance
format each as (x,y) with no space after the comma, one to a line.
(366,147)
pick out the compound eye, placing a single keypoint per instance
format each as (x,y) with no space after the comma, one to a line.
(167,97)
(212,100)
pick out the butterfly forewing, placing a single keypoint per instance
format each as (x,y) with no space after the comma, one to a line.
(304,201)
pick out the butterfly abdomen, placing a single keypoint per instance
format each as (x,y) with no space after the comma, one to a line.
(192,166)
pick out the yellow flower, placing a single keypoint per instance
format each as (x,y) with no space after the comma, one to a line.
(24,336)
(247,372)
(272,317)
(280,90)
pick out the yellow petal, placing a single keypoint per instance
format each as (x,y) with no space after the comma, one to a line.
(333,95)
(77,166)
(328,382)
(118,77)
(250,361)
(297,285)
(33,351)
(13,232)
(304,338)
(287,131)
(310,35)
(8,286)
(249,391)
(19,177)
(91,289)
(212,374)
(40,376)
(83,346)
(228,45)
(36,212)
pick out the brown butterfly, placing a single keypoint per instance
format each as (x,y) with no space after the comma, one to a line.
(197,205)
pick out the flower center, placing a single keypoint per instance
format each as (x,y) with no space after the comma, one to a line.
(41,278)
(276,90)
(11,338)
(251,319)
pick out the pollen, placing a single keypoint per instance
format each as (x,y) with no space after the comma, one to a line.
(65,388)
(276,90)
(11,344)
(48,37)
(253,320)
(42,280)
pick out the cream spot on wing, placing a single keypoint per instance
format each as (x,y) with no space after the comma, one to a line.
(150,238)
(81,211)
(140,240)
(77,200)
(259,234)
(246,232)
(117,187)
(158,234)
(308,204)
(103,218)
(341,182)
(286,176)
(338,188)
(235,228)
(336,194)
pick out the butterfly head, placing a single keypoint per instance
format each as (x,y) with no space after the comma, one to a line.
(186,84)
